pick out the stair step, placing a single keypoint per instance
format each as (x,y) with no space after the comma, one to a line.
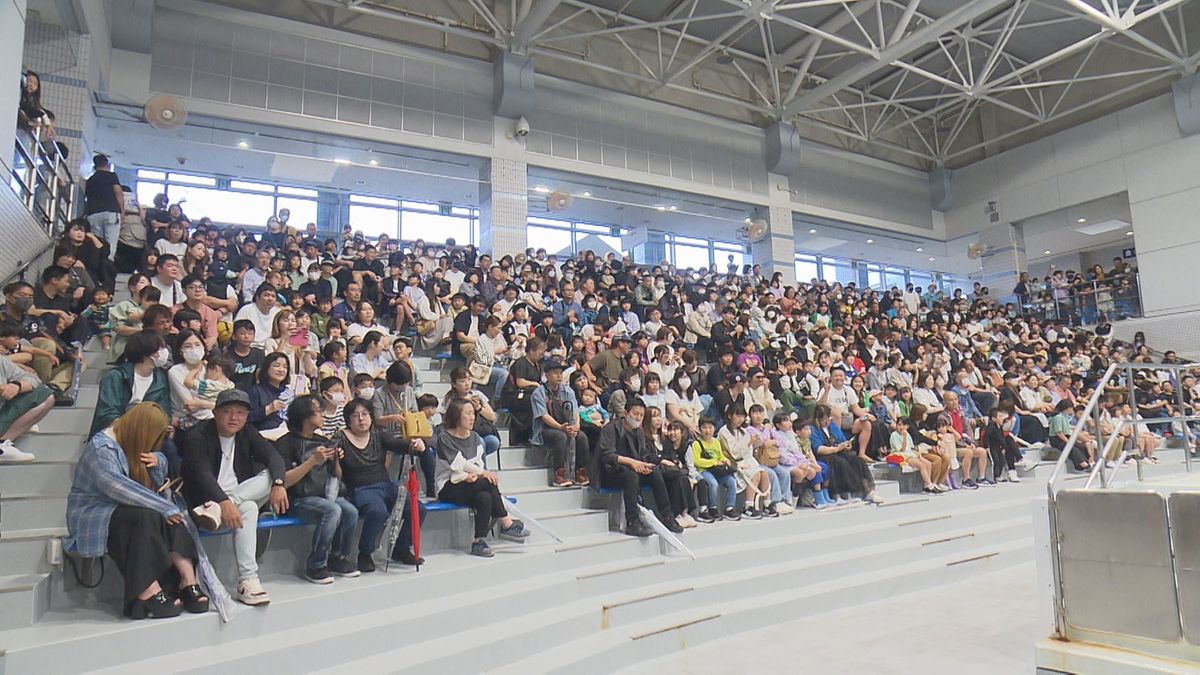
(51,446)
(23,599)
(36,478)
(542,498)
(32,513)
(75,419)
(25,550)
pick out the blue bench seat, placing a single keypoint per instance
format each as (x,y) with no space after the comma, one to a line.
(274,522)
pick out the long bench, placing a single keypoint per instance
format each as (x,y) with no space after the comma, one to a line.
(276,522)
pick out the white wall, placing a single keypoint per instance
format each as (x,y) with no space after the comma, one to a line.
(1138,150)
(12,42)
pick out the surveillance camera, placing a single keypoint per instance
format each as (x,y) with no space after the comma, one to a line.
(522,128)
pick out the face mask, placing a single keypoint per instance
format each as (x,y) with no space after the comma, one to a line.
(313,276)
(366,393)
(636,383)
(23,304)
(338,398)
(162,358)
(685,382)
(592,305)
(193,355)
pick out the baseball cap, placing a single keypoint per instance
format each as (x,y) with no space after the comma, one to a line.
(232,397)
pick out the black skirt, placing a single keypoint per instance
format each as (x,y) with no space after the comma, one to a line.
(141,542)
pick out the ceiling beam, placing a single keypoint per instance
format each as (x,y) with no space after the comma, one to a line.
(528,26)
(831,25)
(918,39)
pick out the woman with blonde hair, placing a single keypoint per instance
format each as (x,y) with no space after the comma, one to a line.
(293,343)
(115,508)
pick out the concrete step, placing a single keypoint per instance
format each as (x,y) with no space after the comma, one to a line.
(540,499)
(36,478)
(575,523)
(75,419)
(522,457)
(23,599)
(24,551)
(522,479)
(54,446)
(32,513)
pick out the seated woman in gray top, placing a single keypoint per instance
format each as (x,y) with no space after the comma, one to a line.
(461,478)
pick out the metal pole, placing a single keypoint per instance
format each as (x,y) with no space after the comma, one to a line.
(1133,408)
(1187,433)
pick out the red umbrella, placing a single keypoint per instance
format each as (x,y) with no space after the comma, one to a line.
(414,514)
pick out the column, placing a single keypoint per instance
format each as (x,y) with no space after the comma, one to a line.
(12,41)
(1004,258)
(503,207)
(776,251)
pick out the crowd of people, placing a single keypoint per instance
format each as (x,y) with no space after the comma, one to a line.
(272,372)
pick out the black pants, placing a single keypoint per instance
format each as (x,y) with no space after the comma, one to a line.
(1004,456)
(631,483)
(481,496)
(141,542)
(561,446)
(847,474)
(1079,453)
(679,489)
(1032,430)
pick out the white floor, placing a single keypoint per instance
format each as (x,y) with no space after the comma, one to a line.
(982,626)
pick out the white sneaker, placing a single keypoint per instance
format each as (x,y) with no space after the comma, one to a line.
(1013,477)
(35,429)
(783,508)
(689,521)
(873,498)
(10,453)
(1110,464)
(251,592)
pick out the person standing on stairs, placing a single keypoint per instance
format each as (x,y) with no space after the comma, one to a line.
(24,401)
(227,462)
(627,463)
(462,478)
(556,426)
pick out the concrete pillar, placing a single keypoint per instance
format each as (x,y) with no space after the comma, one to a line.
(776,252)
(1004,260)
(12,41)
(503,207)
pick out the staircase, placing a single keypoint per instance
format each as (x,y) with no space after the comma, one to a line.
(596,602)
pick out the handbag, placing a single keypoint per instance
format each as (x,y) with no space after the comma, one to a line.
(480,373)
(416,425)
(767,454)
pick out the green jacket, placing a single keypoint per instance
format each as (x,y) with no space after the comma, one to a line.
(116,388)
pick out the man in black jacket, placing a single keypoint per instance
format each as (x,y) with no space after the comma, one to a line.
(228,463)
(626,463)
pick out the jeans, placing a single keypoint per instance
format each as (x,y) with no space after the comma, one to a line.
(562,449)
(727,482)
(497,380)
(336,522)
(375,503)
(107,226)
(781,483)
(248,497)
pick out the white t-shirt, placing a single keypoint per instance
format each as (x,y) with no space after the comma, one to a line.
(839,399)
(141,385)
(226,477)
(262,322)
(172,293)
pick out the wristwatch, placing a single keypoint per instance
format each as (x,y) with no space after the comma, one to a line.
(278,482)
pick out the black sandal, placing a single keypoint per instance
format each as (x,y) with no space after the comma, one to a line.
(194,599)
(157,606)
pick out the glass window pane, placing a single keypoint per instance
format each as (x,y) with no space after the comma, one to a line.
(152,175)
(555,241)
(233,208)
(374,221)
(595,229)
(419,206)
(894,276)
(724,258)
(691,241)
(252,187)
(433,227)
(806,269)
(920,279)
(600,244)
(192,180)
(373,201)
(549,221)
(462,211)
(297,192)
(690,256)
(146,192)
(835,269)
(304,211)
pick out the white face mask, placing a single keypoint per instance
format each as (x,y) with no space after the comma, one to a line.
(685,382)
(193,355)
(636,383)
(162,358)
(366,393)
(591,304)
(339,398)
(313,276)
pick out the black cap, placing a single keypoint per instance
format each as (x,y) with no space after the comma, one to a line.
(552,365)
(232,397)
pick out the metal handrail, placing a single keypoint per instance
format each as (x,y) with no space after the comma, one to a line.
(1091,406)
(44,171)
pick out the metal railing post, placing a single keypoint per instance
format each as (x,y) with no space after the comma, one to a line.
(1187,432)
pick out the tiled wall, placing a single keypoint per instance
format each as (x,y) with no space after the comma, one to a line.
(776,251)
(215,60)
(612,132)
(504,207)
(60,57)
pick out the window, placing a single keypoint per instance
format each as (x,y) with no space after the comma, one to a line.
(373,221)
(806,268)
(433,227)
(920,280)
(874,276)
(555,241)
(373,201)
(234,208)
(894,276)
(297,192)
(147,191)
(686,256)
(148,174)
(251,187)
(189,179)
(304,211)
(833,269)
(420,206)
(232,202)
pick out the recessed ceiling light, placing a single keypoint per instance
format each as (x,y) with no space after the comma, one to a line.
(931,258)
(920,250)
(586,193)
(747,221)
(870,241)
(340,160)
(243,144)
(373,162)
(660,207)
(674,208)
(1045,252)
(812,231)
(542,189)
(1129,233)
(1081,220)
